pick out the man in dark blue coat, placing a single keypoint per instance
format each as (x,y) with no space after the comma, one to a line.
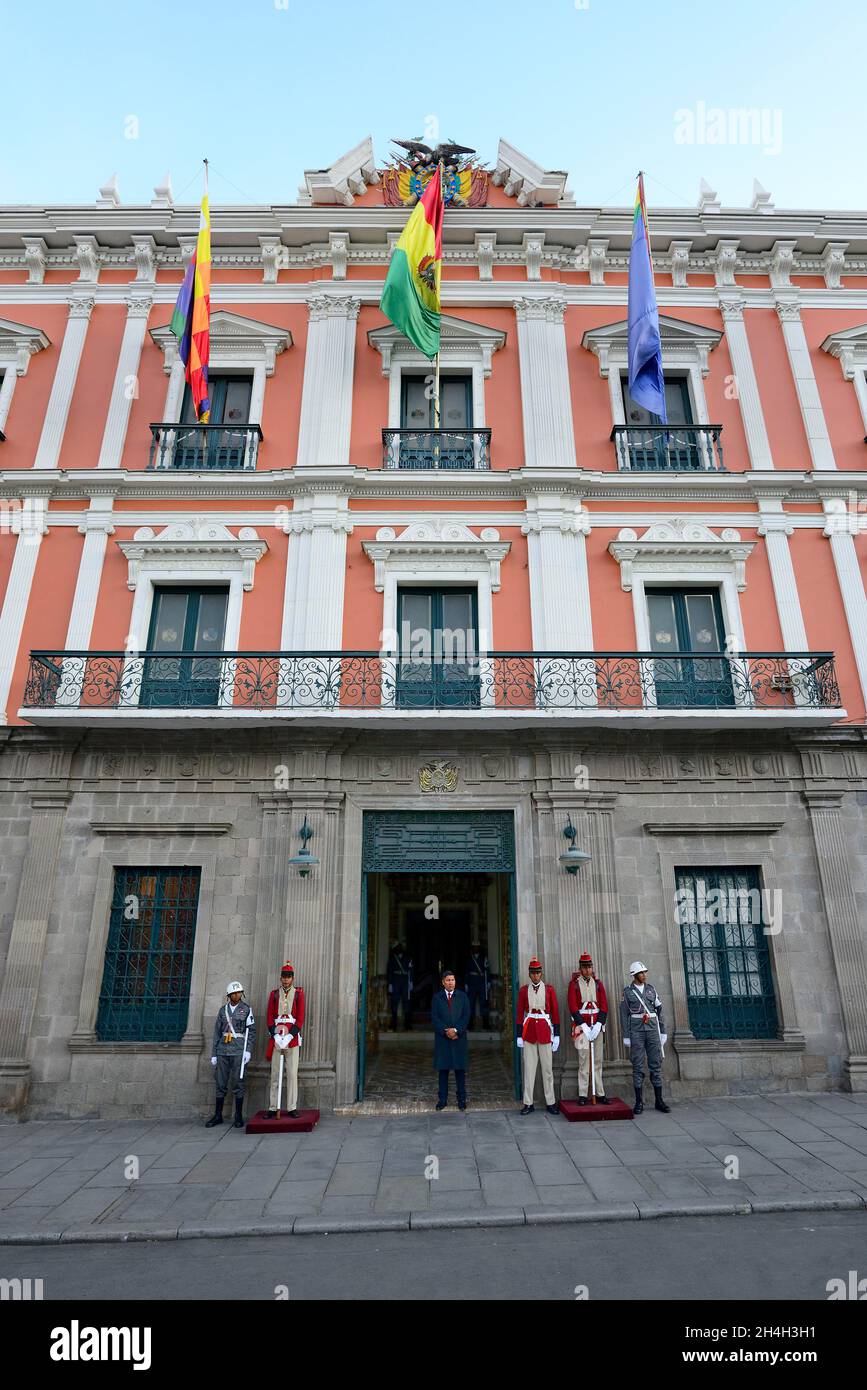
(450,1017)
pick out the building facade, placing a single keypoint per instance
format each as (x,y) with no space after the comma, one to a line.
(431,655)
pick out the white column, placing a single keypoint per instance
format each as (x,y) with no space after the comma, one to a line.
(556,527)
(776,528)
(546,403)
(313,598)
(31,526)
(732,310)
(66,373)
(329,364)
(838,530)
(789,314)
(125,387)
(96,529)
(175,389)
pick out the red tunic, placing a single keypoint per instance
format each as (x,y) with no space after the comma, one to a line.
(536,1030)
(575,999)
(297,1014)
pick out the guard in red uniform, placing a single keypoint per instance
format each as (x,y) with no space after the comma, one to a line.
(588,1007)
(538,1028)
(285,1021)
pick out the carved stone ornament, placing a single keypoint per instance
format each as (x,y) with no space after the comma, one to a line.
(438,776)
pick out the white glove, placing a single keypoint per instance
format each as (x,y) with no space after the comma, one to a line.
(585,1029)
(520,1042)
(213,1061)
(627,1042)
(391,989)
(281,1040)
(246,1058)
(594,1032)
(555,1043)
(664,1037)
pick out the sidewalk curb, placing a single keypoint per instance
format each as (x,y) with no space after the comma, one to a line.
(452,1220)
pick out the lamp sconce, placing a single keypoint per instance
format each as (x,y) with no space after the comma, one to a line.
(304,861)
(573,859)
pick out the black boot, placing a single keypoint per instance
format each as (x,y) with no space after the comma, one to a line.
(239,1118)
(660,1103)
(217,1117)
(639,1103)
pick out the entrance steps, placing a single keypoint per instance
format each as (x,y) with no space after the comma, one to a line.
(421,1107)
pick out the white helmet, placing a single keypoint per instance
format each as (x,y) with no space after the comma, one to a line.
(234,987)
(635,968)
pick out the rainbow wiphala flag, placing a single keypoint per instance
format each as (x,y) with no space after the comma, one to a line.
(191,320)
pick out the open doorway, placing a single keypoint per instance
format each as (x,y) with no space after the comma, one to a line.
(436,920)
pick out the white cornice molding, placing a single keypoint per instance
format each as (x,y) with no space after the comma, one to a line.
(683,542)
(436,542)
(198,544)
(233,339)
(850,346)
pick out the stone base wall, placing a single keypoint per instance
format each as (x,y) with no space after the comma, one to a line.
(233,804)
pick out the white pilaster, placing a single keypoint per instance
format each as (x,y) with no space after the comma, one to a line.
(789,313)
(838,529)
(96,529)
(7,388)
(125,387)
(30,524)
(54,425)
(556,527)
(549,437)
(758,444)
(315,573)
(329,363)
(776,528)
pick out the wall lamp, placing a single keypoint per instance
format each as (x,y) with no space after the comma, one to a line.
(304,861)
(573,859)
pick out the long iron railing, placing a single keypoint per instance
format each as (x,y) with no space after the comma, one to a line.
(458,449)
(204,446)
(316,681)
(668,448)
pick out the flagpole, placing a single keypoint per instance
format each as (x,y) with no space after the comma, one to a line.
(437,376)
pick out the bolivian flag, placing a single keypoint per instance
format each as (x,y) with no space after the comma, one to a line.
(411,295)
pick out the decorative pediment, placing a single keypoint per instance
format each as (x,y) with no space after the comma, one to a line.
(683,344)
(525,180)
(458,338)
(18,343)
(680,545)
(234,339)
(439,544)
(199,546)
(850,346)
(346,179)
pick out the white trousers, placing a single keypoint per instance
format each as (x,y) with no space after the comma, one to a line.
(290,1078)
(582,1047)
(538,1054)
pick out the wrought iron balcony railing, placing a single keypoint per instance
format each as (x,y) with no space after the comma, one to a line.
(668,448)
(359,681)
(204,446)
(436,449)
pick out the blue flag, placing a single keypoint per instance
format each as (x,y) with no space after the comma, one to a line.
(644,351)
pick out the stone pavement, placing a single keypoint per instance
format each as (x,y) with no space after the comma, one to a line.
(65,1180)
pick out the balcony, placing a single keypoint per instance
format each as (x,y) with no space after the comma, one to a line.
(436,449)
(204,446)
(614,689)
(668,448)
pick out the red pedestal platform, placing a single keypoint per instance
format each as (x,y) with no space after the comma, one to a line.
(615,1110)
(283,1123)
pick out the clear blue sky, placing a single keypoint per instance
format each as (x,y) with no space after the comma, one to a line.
(267,88)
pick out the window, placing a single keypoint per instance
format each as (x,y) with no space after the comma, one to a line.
(148,960)
(678,406)
(419,447)
(689,620)
(656,447)
(216,448)
(438,648)
(184,620)
(729,988)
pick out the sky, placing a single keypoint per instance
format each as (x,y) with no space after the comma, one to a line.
(601,88)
